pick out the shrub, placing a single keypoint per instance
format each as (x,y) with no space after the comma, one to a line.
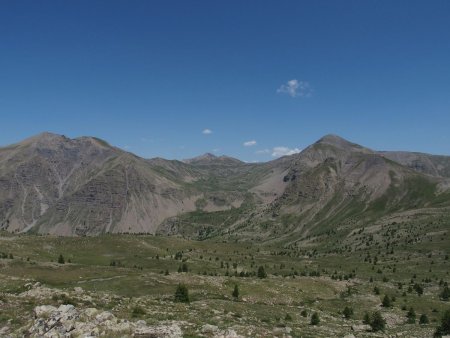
(61,259)
(423,319)
(137,311)
(348,312)
(315,320)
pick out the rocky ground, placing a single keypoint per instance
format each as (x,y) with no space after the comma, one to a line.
(67,320)
(55,317)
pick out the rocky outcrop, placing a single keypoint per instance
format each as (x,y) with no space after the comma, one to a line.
(68,321)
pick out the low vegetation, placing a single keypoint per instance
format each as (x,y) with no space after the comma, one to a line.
(257,290)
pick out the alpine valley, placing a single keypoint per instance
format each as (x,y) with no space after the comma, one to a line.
(338,240)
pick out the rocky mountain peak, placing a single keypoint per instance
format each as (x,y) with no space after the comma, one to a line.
(341,143)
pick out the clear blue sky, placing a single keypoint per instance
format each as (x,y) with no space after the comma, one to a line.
(151,76)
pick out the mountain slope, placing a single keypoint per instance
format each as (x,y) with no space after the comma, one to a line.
(337,183)
(53,184)
(84,186)
(434,165)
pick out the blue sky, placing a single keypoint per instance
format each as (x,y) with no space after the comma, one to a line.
(152,76)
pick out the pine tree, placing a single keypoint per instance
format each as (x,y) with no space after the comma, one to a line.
(386,301)
(182,294)
(61,259)
(377,322)
(411,315)
(444,328)
(235,293)
(261,272)
(184,267)
(445,294)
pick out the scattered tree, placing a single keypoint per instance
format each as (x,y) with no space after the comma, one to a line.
(411,316)
(184,267)
(423,319)
(386,301)
(444,328)
(419,289)
(445,294)
(235,293)
(261,272)
(315,320)
(377,322)
(61,259)
(182,294)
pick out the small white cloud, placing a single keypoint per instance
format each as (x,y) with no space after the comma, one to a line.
(216,150)
(126,147)
(250,143)
(284,151)
(296,88)
(262,151)
(207,131)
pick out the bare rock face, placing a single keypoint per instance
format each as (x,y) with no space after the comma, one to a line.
(84,186)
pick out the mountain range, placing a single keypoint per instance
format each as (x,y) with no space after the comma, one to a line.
(51,184)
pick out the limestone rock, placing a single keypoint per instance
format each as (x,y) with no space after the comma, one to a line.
(160,331)
(361,328)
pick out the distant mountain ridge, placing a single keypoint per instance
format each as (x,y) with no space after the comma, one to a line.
(84,186)
(211,159)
